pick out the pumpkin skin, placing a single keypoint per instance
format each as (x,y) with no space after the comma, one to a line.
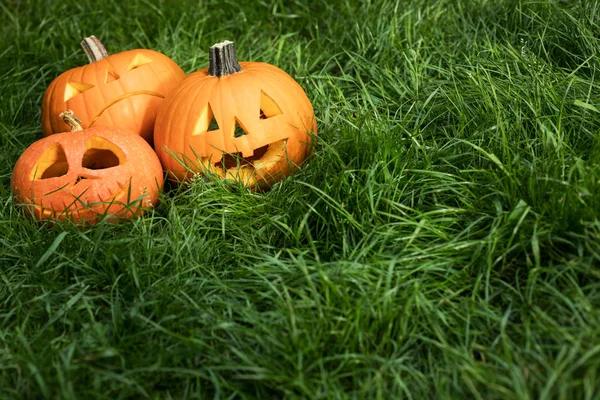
(247,121)
(83,175)
(123,90)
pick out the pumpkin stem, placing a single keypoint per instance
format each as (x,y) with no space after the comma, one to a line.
(222,60)
(94,49)
(71,120)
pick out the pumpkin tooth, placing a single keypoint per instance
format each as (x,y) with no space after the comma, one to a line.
(44,212)
(119,194)
(235,160)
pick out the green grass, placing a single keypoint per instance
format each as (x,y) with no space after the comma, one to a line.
(442,242)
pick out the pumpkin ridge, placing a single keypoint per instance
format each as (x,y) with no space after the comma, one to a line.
(111,63)
(170,115)
(47,106)
(208,141)
(82,76)
(228,130)
(158,69)
(203,92)
(191,122)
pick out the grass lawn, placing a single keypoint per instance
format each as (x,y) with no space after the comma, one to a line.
(442,242)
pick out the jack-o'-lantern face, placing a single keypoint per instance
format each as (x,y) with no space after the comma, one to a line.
(124,90)
(253,124)
(86,174)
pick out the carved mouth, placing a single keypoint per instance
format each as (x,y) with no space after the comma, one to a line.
(259,167)
(116,198)
(250,170)
(123,97)
(235,160)
(270,153)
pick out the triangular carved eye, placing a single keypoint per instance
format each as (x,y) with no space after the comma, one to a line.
(100,153)
(52,163)
(74,88)
(138,61)
(239,129)
(268,107)
(213,126)
(206,122)
(110,76)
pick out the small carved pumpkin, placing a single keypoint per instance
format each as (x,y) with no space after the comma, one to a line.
(247,121)
(85,174)
(121,90)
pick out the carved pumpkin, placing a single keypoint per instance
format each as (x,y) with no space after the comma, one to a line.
(247,121)
(123,89)
(85,174)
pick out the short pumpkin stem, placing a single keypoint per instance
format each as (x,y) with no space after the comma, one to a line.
(222,60)
(71,120)
(94,49)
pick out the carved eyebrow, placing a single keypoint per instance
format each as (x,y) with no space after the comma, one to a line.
(111,75)
(72,89)
(138,61)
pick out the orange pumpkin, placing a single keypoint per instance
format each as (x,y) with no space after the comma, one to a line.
(247,121)
(84,174)
(123,89)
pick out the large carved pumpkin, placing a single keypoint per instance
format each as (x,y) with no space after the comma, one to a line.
(84,174)
(247,121)
(123,89)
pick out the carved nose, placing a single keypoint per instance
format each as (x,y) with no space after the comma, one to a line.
(81,178)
